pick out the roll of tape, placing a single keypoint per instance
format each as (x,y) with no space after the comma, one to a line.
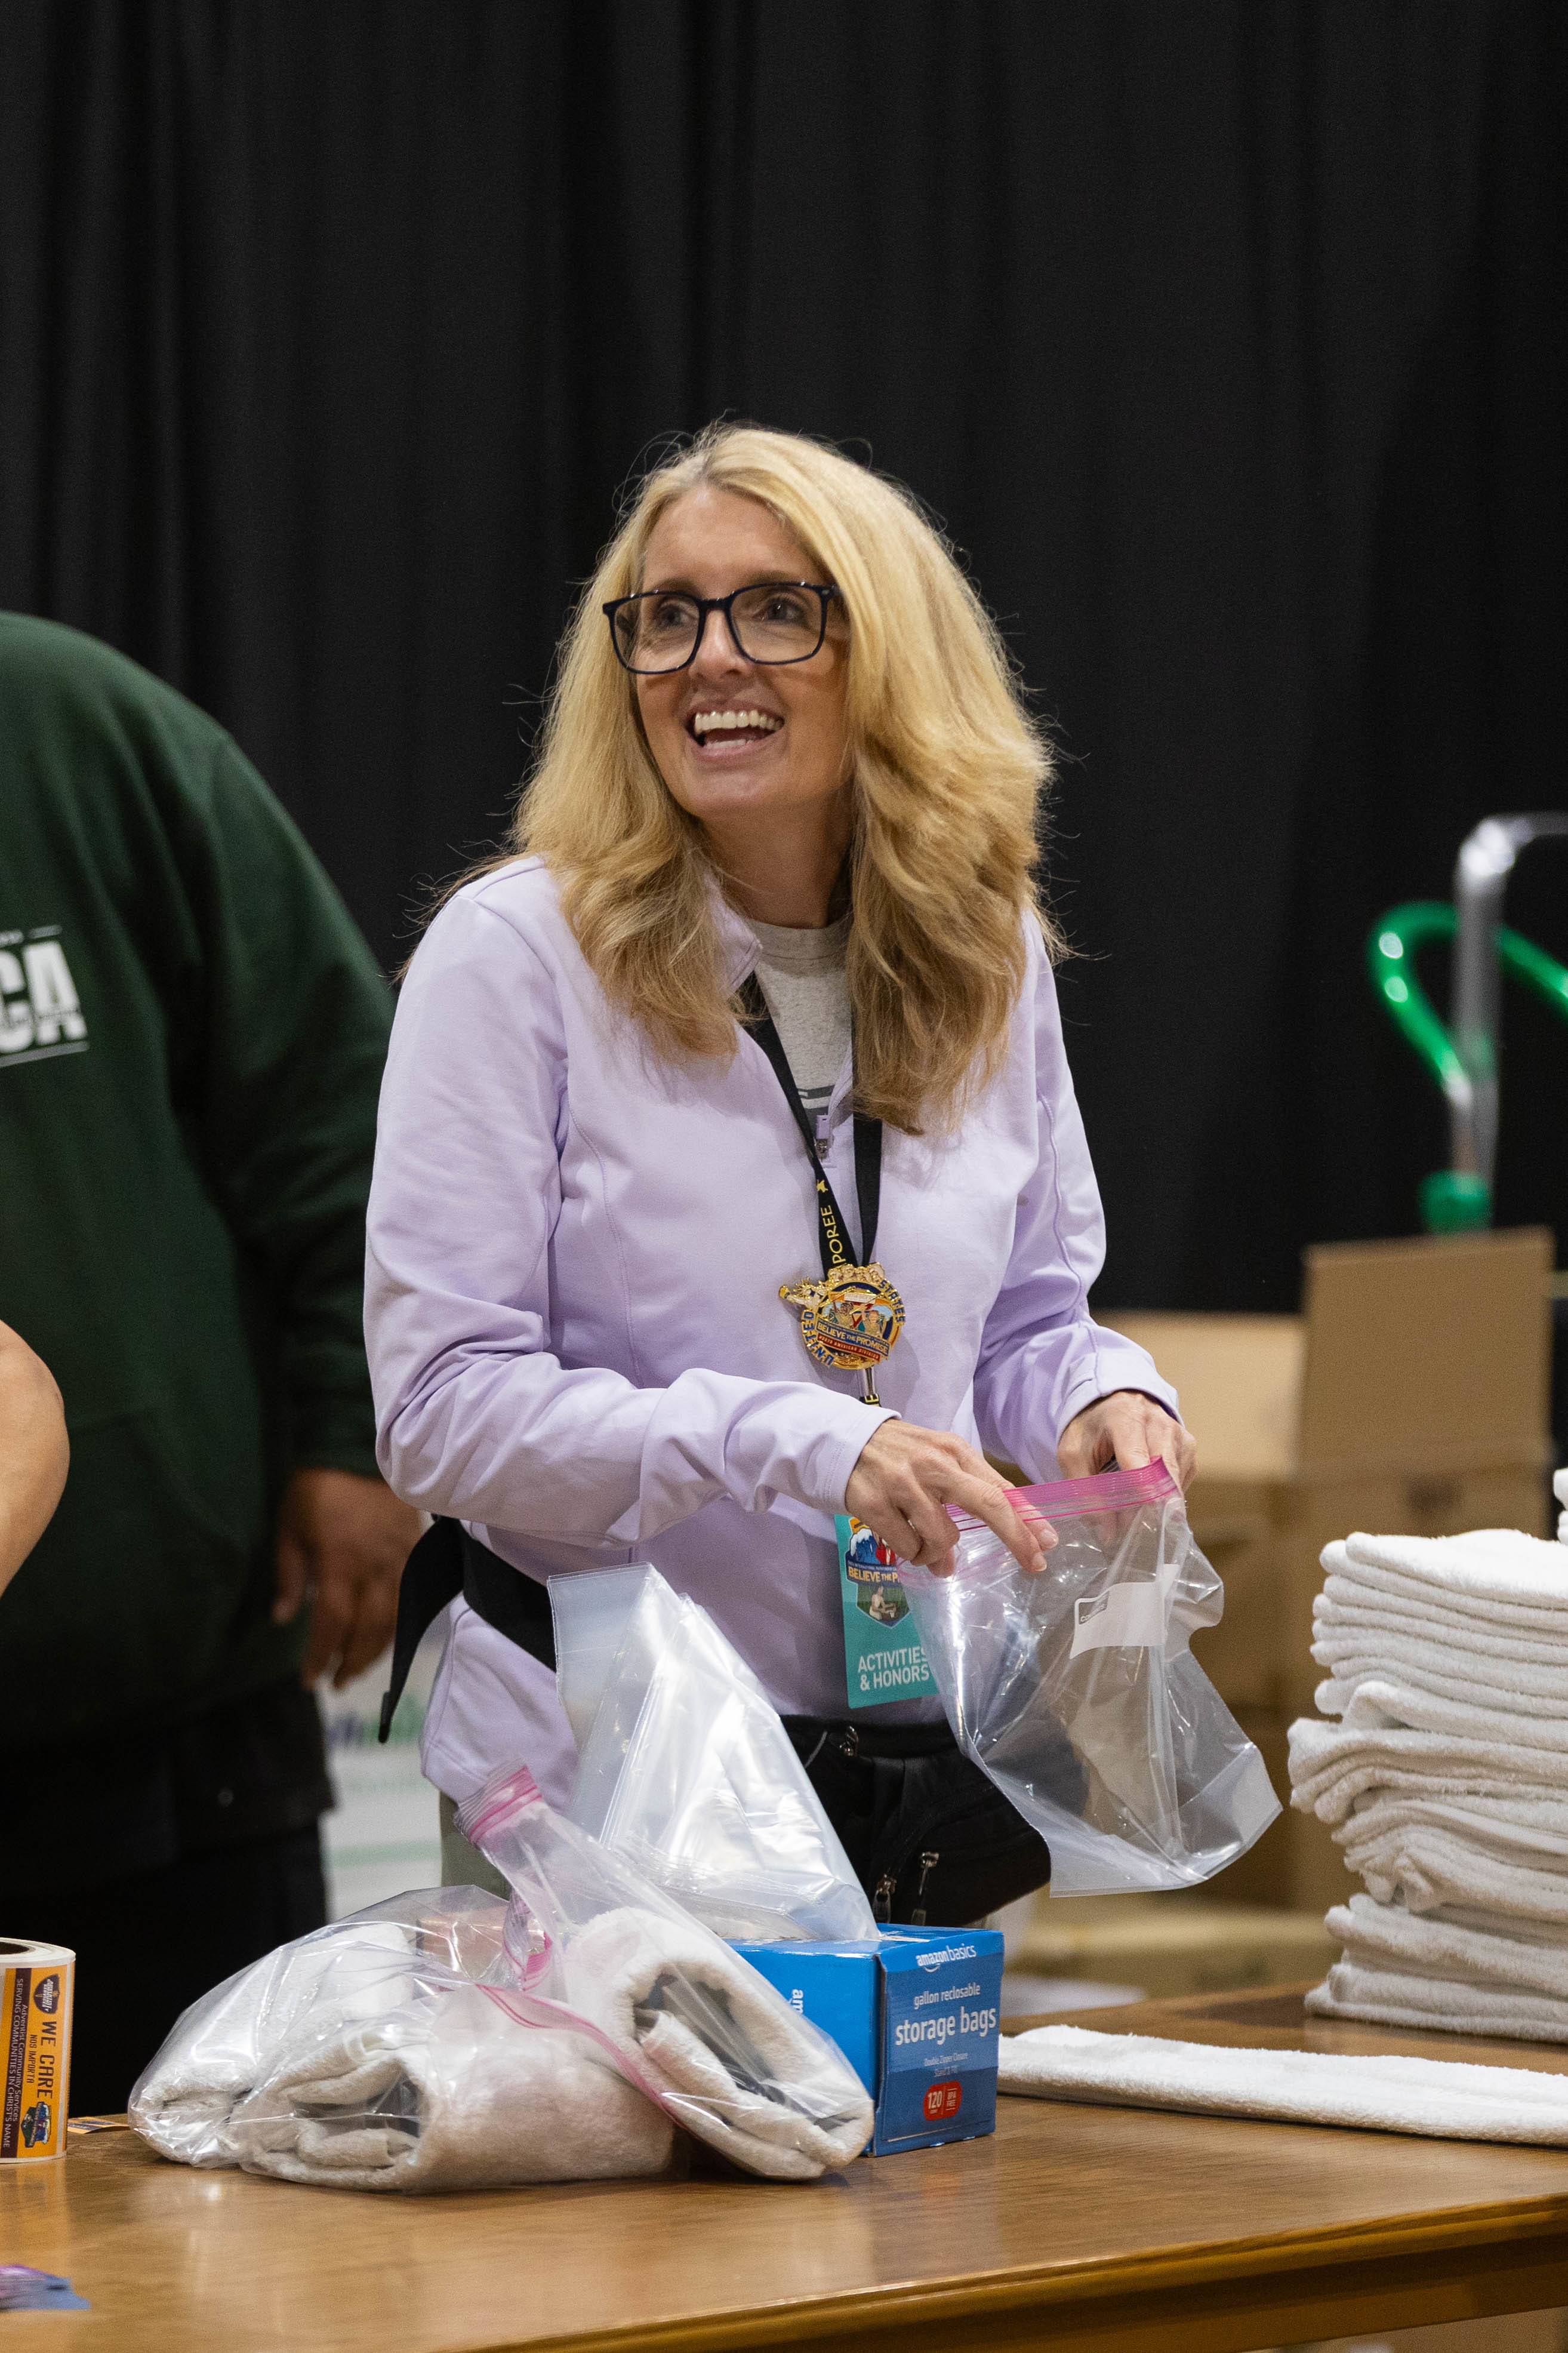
(37,1984)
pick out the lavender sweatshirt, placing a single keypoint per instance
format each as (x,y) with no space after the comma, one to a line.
(571,1310)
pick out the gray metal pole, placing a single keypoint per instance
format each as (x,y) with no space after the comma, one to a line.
(1480,879)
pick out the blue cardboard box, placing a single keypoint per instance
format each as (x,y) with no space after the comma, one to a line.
(918,2016)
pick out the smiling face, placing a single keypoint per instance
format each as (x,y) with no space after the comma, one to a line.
(745,746)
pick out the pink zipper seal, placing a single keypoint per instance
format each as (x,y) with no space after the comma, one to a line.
(500,1800)
(503,1799)
(1077,1499)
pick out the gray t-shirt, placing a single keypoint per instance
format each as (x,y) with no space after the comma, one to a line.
(806,989)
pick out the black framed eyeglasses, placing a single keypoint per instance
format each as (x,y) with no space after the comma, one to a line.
(770,621)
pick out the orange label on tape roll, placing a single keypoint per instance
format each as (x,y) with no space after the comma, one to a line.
(36,1991)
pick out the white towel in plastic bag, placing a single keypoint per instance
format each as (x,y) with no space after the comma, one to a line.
(693,2025)
(214,2053)
(372,2055)
(448,2094)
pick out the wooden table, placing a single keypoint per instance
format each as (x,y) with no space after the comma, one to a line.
(1074,2227)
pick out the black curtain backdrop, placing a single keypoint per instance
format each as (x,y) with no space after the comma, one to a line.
(1226,337)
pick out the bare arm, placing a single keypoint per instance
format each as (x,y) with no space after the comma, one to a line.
(34,1451)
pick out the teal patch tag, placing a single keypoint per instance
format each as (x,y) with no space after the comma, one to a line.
(883,1656)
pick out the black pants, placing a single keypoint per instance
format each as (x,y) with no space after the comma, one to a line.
(149,1944)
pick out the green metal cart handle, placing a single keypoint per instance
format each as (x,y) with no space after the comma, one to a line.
(1451,1199)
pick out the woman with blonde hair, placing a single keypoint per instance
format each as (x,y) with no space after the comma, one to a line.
(730,1192)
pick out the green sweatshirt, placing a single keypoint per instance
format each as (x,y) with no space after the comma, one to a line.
(192,1034)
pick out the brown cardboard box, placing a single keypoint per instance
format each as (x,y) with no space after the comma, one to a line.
(1411,1395)
(1169,1944)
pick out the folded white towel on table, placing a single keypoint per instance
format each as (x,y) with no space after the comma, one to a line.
(741,2070)
(1497,1576)
(1343,1608)
(1332,1765)
(453,2094)
(1385,1936)
(1516,1829)
(1488,1923)
(1512,1686)
(1510,1853)
(1388,1700)
(1423,1866)
(1443,2005)
(1439,2097)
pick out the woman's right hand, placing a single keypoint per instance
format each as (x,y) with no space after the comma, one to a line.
(905,1477)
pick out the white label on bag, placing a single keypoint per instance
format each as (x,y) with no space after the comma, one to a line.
(1128,1617)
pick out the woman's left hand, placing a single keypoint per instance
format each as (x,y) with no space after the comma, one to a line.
(1131,1430)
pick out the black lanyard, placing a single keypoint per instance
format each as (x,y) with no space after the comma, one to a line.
(833,1234)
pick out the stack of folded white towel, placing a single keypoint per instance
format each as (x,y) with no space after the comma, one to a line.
(1445,1779)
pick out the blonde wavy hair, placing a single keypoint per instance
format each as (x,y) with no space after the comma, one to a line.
(947,767)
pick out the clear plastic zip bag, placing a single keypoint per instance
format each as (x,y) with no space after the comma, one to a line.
(1076,1691)
(686,1769)
(393,2051)
(691,2024)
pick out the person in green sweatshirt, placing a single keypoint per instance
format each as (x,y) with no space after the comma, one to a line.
(192,1033)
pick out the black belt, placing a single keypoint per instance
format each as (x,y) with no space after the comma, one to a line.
(447,1561)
